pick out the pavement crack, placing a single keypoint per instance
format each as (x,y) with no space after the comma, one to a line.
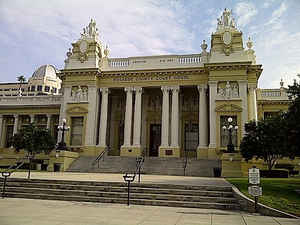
(276,221)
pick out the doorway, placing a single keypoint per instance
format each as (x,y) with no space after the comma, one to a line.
(191,139)
(155,139)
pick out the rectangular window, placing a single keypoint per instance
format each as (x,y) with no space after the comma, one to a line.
(225,132)
(33,88)
(76,131)
(39,88)
(9,135)
(47,88)
(54,90)
(269,115)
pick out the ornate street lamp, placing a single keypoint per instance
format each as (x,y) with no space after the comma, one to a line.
(230,126)
(62,145)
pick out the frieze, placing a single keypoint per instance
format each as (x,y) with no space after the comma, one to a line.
(155,78)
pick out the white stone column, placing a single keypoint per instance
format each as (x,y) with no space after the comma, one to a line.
(128,117)
(16,122)
(137,117)
(212,113)
(48,121)
(243,94)
(91,125)
(252,102)
(103,117)
(203,128)
(175,116)
(1,130)
(165,117)
(31,118)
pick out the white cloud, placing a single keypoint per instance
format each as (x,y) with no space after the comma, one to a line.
(245,12)
(146,27)
(277,14)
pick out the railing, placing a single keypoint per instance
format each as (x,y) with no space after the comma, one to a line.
(139,163)
(189,59)
(8,172)
(100,156)
(118,62)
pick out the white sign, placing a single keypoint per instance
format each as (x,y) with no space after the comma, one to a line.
(255,191)
(254,177)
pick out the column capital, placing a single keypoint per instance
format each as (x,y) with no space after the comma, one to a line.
(202,87)
(175,89)
(252,87)
(165,89)
(138,90)
(104,90)
(1,116)
(48,115)
(212,83)
(16,116)
(128,89)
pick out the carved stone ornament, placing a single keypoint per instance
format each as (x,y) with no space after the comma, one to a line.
(227,38)
(82,57)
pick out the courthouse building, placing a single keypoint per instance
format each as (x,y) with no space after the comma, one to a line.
(158,106)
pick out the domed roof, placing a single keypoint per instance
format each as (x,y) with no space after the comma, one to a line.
(45,70)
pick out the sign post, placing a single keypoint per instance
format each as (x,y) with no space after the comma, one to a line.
(254,181)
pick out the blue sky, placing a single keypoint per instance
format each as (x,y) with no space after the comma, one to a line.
(37,32)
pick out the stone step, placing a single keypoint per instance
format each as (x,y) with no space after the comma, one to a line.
(207,205)
(151,196)
(121,184)
(123,189)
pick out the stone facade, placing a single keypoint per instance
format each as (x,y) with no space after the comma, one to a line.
(162,106)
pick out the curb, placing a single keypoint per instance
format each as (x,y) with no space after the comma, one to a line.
(247,204)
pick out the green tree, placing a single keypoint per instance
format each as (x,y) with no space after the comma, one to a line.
(33,140)
(292,118)
(265,140)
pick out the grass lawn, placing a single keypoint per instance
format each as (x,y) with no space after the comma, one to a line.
(278,193)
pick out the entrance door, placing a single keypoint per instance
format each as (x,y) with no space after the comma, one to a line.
(155,139)
(191,139)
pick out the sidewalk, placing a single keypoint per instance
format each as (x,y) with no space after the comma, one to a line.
(15,211)
(113,177)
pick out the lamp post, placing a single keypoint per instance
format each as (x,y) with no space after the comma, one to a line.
(128,178)
(62,145)
(230,126)
(5,174)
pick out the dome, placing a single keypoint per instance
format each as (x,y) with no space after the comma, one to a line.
(45,70)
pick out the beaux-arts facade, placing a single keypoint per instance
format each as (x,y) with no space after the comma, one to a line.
(160,106)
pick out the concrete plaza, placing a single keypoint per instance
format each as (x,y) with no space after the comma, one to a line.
(14,211)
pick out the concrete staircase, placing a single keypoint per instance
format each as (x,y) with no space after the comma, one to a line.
(152,165)
(215,197)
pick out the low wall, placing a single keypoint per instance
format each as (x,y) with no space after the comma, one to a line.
(247,204)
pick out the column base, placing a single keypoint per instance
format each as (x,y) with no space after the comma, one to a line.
(131,151)
(202,152)
(212,152)
(169,151)
(92,150)
(232,165)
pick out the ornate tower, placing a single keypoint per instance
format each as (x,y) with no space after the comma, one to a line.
(87,52)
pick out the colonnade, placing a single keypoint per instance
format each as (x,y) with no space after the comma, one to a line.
(169,137)
(17,123)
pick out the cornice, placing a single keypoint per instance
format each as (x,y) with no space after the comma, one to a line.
(174,72)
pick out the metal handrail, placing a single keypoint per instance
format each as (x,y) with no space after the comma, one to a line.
(8,172)
(100,156)
(139,163)
(185,162)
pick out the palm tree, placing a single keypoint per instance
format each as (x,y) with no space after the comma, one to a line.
(22,80)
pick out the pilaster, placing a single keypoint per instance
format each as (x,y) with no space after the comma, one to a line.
(48,120)
(1,130)
(16,122)
(243,94)
(252,102)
